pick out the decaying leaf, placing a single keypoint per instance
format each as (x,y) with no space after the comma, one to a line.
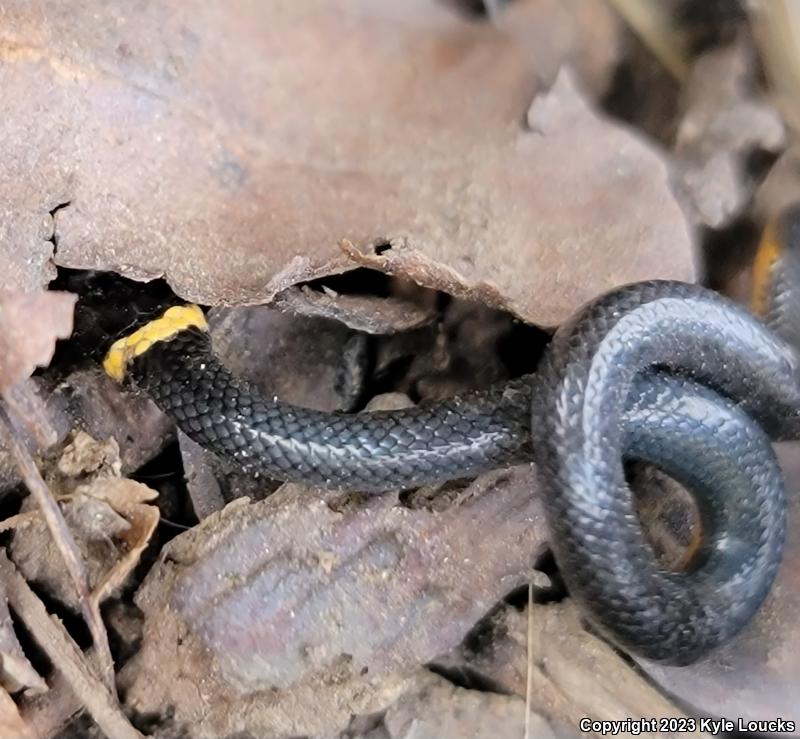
(547,653)
(436,709)
(49,713)
(79,671)
(369,313)
(30,323)
(104,410)
(108,516)
(84,456)
(129,499)
(249,152)
(296,612)
(587,35)
(86,399)
(566,244)
(43,423)
(272,138)
(295,358)
(11,723)
(726,119)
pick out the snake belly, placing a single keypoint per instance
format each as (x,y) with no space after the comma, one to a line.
(663,372)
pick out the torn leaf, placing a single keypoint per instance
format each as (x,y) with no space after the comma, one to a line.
(30,323)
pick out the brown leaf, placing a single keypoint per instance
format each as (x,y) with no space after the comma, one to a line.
(368,313)
(30,323)
(586,35)
(111,523)
(84,456)
(59,535)
(80,672)
(11,723)
(46,422)
(726,118)
(88,399)
(273,130)
(49,713)
(128,498)
(294,358)
(548,654)
(567,243)
(436,709)
(105,410)
(320,606)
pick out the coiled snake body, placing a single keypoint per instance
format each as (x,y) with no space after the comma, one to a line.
(664,372)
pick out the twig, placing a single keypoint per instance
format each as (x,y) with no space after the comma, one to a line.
(651,21)
(777,24)
(25,404)
(529,676)
(65,543)
(50,634)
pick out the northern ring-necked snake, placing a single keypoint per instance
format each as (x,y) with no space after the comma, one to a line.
(663,372)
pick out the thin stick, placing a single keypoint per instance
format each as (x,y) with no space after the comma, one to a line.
(651,21)
(65,543)
(529,677)
(80,673)
(778,34)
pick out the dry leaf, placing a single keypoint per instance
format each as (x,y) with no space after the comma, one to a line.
(726,119)
(80,672)
(273,130)
(105,410)
(587,35)
(368,313)
(548,653)
(436,709)
(30,323)
(567,243)
(84,455)
(111,523)
(12,725)
(128,498)
(87,399)
(299,610)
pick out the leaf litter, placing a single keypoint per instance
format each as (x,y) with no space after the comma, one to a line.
(420,194)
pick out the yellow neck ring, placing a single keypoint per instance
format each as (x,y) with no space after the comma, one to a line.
(167,326)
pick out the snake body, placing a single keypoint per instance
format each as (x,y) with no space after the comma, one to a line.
(664,372)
